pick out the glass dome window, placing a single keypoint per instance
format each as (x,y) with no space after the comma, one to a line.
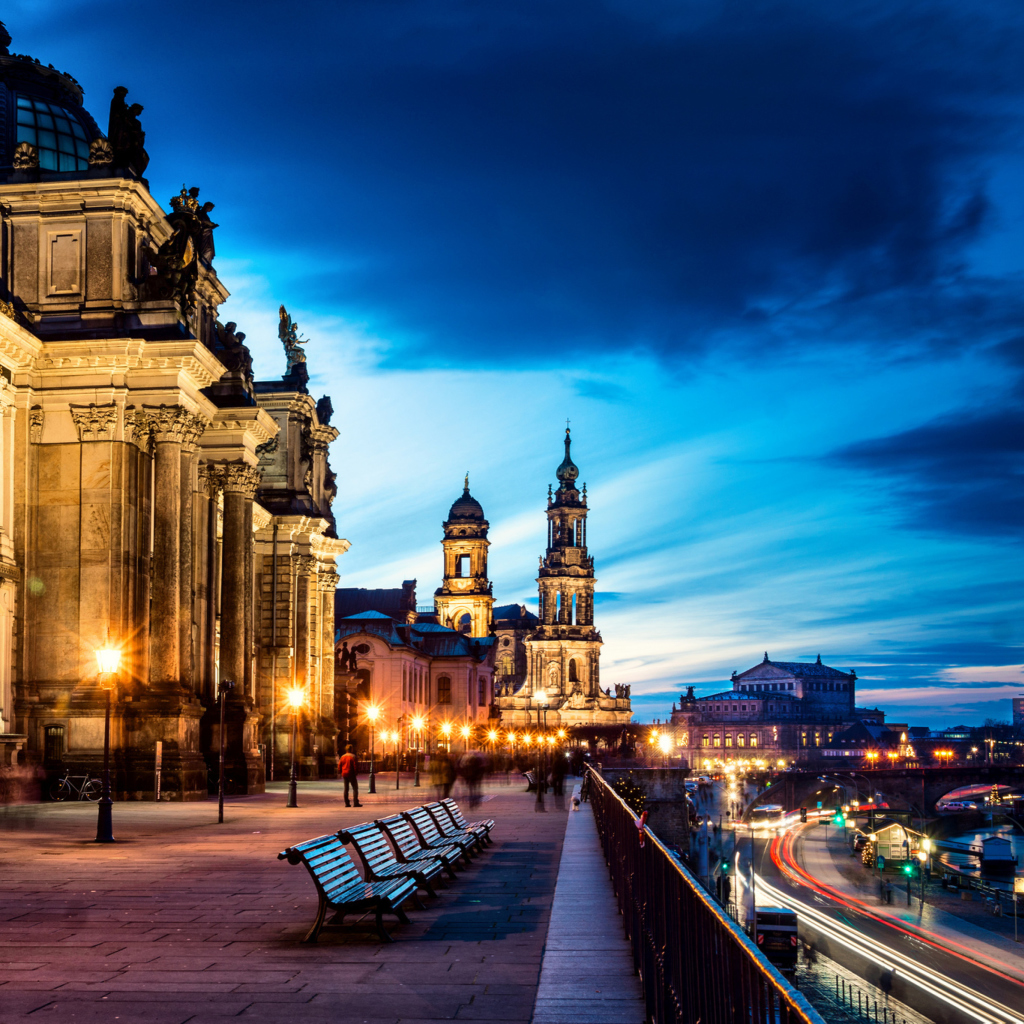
(55,133)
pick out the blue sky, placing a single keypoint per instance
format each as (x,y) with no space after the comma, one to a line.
(767,257)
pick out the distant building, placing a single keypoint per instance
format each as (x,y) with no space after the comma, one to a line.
(1018,711)
(777,710)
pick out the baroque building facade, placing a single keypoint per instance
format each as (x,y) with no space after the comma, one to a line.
(776,711)
(155,497)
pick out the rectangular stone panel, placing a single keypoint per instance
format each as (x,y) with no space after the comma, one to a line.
(64,262)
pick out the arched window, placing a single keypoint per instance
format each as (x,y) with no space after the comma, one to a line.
(444,690)
(739,739)
(466,623)
(717,741)
(753,739)
(363,686)
(481,691)
(728,739)
(706,739)
(573,677)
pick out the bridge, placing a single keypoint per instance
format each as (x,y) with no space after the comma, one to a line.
(907,789)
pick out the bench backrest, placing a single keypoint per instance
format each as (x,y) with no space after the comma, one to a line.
(328,862)
(424,824)
(456,815)
(372,846)
(443,820)
(401,834)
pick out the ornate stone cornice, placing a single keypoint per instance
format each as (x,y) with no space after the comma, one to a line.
(304,564)
(261,518)
(241,478)
(321,437)
(95,422)
(35,425)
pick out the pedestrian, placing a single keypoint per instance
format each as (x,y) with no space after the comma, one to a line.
(558,770)
(348,769)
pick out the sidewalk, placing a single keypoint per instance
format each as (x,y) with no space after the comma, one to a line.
(587,975)
(831,867)
(186,920)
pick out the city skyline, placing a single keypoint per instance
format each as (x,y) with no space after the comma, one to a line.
(769,266)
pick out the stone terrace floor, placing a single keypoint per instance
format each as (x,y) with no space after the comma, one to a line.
(187,920)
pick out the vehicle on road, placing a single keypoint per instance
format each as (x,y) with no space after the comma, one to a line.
(767,814)
(959,805)
(776,935)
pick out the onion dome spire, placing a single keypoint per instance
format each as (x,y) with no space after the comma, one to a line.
(567,472)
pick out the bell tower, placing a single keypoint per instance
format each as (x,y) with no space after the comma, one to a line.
(564,650)
(464,600)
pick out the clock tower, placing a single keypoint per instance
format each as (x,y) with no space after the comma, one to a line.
(464,600)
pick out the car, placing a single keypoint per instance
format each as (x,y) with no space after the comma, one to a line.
(858,842)
(959,805)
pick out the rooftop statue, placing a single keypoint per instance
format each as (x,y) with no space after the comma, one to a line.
(175,265)
(125,134)
(288,332)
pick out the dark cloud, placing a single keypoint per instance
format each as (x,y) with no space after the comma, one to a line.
(525,180)
(960,474)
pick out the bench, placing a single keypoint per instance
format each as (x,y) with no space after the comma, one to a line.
(409,848)
(531,781)
(379,862)
(456,814)
(430,835)
(340,887)
(447,827)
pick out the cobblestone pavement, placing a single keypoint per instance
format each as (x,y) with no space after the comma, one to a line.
(187,920)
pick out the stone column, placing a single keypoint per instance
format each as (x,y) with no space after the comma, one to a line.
(211,479)
(240,483)
(186,583)
(171,424)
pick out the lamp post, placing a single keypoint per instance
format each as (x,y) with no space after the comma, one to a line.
(446,732)
(465,731)
(396,735)
(295,700)
(222,692)
(108,660)
(417,727)
(372,711)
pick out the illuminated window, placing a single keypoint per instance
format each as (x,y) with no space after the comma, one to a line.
(444,690)
(753,739)
(728,740)
(707,741)
(739,739)
(55,133)
(717,740)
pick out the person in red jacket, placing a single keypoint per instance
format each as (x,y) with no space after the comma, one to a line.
(347,769)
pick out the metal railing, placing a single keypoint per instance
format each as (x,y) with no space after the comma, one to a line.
(695,963)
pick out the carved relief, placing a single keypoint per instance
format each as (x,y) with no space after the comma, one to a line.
(35,425)
(193,429)
(95,422)
(211,479)
(240,478)
(101,153)
(266,450)
(173,423)
(26,157)
(138,430)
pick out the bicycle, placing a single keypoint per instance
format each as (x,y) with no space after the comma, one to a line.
(88,788)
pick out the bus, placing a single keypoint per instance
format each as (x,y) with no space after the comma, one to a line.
(767,814)
(776,935)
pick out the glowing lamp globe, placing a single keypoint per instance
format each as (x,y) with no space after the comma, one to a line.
(108,659)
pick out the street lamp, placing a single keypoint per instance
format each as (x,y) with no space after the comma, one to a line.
(372,711)
(108,660)
(417,727)
(465,731)
(222,692)
(665,743)
(446,731)
(294,700)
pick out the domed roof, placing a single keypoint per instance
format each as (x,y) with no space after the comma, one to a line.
(466,506)
(42,107)
(568,471)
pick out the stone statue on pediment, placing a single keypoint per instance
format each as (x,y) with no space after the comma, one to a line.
(125,134)
(288,332)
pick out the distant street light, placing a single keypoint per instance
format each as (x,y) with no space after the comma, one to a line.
(372,711)
(108,660)
(294,700)
(417,727)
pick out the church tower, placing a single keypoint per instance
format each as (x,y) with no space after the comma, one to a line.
(464,600)
(564,650)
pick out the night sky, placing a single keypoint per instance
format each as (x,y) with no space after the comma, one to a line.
(766,257)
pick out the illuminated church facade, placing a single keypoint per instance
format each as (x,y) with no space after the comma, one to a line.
(154,498)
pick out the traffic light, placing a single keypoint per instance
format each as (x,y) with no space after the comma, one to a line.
(839,819)
(908,869)
(803,815)
(725,867)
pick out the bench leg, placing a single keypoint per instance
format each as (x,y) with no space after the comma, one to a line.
(416,902)
(400,914)
(381,930)
(318,923)
(431,891)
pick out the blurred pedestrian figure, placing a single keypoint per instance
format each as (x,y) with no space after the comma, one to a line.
(472,767)
(348,769)
(442,774)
